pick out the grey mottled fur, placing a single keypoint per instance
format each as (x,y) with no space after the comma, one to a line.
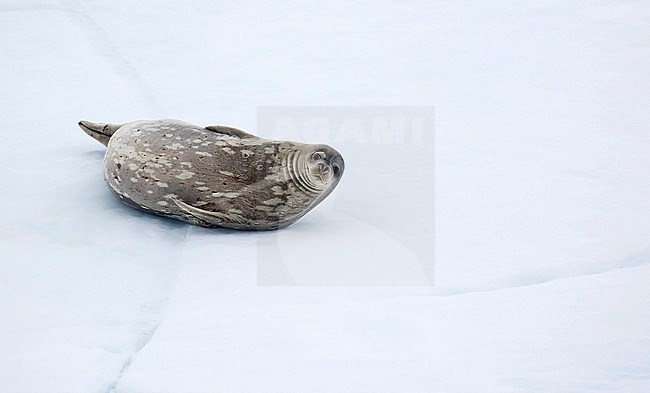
(216,175)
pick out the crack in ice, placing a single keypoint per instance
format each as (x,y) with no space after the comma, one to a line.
(147,328)
(98,36)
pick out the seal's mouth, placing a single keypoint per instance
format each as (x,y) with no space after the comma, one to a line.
(321,171)
(316,169)
(327,171)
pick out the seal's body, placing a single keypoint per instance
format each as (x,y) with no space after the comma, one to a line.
(215,176)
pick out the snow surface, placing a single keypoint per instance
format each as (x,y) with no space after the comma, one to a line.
(542,216)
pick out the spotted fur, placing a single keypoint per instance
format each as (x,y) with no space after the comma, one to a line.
(215,176)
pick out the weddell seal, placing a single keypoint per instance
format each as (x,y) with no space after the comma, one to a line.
(215,176)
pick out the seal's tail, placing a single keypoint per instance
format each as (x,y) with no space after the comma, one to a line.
(100,131)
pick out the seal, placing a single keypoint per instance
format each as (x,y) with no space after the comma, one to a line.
(215,176)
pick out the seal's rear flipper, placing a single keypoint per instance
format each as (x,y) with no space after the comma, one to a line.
(99,131)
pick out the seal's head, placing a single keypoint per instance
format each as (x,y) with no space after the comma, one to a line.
(316,169)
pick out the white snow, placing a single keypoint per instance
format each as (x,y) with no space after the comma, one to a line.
(542,259)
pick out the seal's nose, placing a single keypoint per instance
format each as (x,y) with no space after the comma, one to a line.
(322,168)
(337,166)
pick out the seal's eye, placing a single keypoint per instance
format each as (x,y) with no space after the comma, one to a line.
(336,168)
(318,155)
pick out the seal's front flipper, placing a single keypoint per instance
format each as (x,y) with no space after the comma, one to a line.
(99,131)
(231,131)
(208,218)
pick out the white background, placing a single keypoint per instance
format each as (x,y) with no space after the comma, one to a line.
(542,211)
